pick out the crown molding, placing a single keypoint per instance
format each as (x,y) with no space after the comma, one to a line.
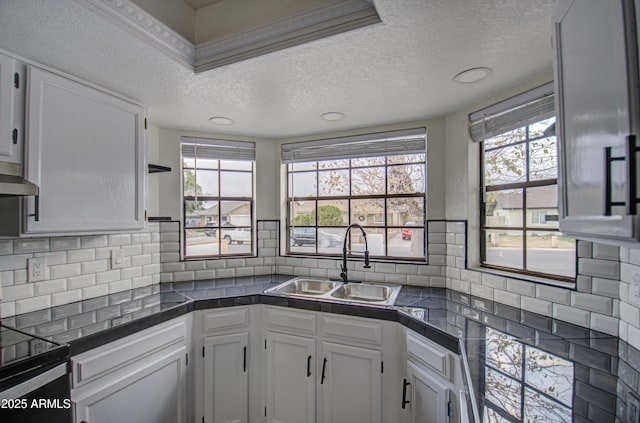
(330,19)
(323,21)
(141,24)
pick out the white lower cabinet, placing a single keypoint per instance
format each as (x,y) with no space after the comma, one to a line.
(226,378)
(141,378)
(153,393)
(433,376)
(268,364)
(350,384)
(291,378)
(426,397)
(314,374)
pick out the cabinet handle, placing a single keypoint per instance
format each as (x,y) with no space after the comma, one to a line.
(36,208)
(405,401)
(632,184)
(324,367)
(632,200)
(14,136)
(244,359)
(608,203)
(308,366)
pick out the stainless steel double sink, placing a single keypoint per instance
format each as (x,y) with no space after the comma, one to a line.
(334,290)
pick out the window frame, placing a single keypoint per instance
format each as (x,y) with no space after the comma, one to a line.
(219,199)
(289,171)
(525,227)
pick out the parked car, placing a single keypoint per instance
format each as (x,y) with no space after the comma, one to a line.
(307,236)
(231,234)
(303,236)
(212,228)
(406,232)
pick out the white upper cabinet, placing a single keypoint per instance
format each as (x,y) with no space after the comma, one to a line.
(10,132)
(596,75)
(86,152)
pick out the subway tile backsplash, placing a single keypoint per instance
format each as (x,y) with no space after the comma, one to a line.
(78,267)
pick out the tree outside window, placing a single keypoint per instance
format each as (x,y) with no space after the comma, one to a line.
(386,195)
(519,229)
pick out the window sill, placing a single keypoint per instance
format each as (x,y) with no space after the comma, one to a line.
(358,257)
(525,277)
(208,258)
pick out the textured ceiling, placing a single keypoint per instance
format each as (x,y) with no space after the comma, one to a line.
(396,71)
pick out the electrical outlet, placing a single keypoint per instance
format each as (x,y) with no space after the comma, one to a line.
(117,259)
(633,409)
(37,268)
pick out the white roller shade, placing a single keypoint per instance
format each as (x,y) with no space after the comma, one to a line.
(408,141)
(207,148)
(515,112)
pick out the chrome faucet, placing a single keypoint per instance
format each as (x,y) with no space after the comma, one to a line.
(343,273)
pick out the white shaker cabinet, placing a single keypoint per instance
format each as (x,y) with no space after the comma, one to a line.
(596,77)
(432,376)
(226,378)
(11,115)
(327,368)
(86,152)
(291,378)
(227,373)
(350,384)
(141,378)
(425,397)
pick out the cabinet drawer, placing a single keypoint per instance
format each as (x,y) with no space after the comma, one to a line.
(290,321)
(225,319)
(97,362)
(426,353)
(352,330)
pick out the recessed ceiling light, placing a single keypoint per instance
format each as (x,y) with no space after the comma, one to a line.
(331,116)
(472,75)
(220,120)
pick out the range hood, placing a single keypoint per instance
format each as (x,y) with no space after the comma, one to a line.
(12,183)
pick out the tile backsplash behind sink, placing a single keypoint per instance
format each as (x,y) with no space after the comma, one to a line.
(79,268)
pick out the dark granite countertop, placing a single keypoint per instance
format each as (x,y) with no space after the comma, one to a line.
(521,366)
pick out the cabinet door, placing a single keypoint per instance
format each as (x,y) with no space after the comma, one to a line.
(85,150)
(152,393)
(9,152)
(428,397)
(594,110)
(226,378)
(291,379)
(350,384)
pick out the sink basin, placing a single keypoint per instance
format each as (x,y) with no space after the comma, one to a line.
(338,291)
(364,292)
(313,287)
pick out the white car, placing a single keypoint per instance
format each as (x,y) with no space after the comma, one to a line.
(233,234)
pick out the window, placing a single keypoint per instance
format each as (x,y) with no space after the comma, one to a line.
(218,192)
(519,210)
(377,181)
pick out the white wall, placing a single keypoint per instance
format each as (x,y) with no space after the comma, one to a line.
(169,191)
